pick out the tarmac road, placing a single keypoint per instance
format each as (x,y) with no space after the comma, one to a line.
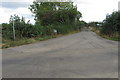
(80,55)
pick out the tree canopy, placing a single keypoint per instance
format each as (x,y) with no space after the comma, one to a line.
(55,12)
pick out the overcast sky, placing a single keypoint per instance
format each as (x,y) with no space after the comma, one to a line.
(92,10)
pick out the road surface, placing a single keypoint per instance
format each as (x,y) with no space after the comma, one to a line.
(80,55)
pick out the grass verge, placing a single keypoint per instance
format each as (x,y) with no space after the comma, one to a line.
(113,38)
(18,42)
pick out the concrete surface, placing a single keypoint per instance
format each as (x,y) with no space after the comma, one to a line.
(80,55)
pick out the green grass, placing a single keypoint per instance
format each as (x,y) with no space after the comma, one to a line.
(114,38)
(10,43)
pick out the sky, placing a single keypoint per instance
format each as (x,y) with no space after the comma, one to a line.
(92,10)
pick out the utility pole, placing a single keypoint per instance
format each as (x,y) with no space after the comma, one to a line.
(119,6)
(13,29)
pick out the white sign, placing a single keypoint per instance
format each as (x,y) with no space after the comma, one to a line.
(55,31)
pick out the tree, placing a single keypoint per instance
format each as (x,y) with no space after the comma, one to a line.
(62,16)
(54,12)
(111,24)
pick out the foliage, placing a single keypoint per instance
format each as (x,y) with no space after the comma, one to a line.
(109,28)
(49,13)
(111,25)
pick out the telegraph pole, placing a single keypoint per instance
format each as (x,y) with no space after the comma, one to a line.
(13,30)
(119,6)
